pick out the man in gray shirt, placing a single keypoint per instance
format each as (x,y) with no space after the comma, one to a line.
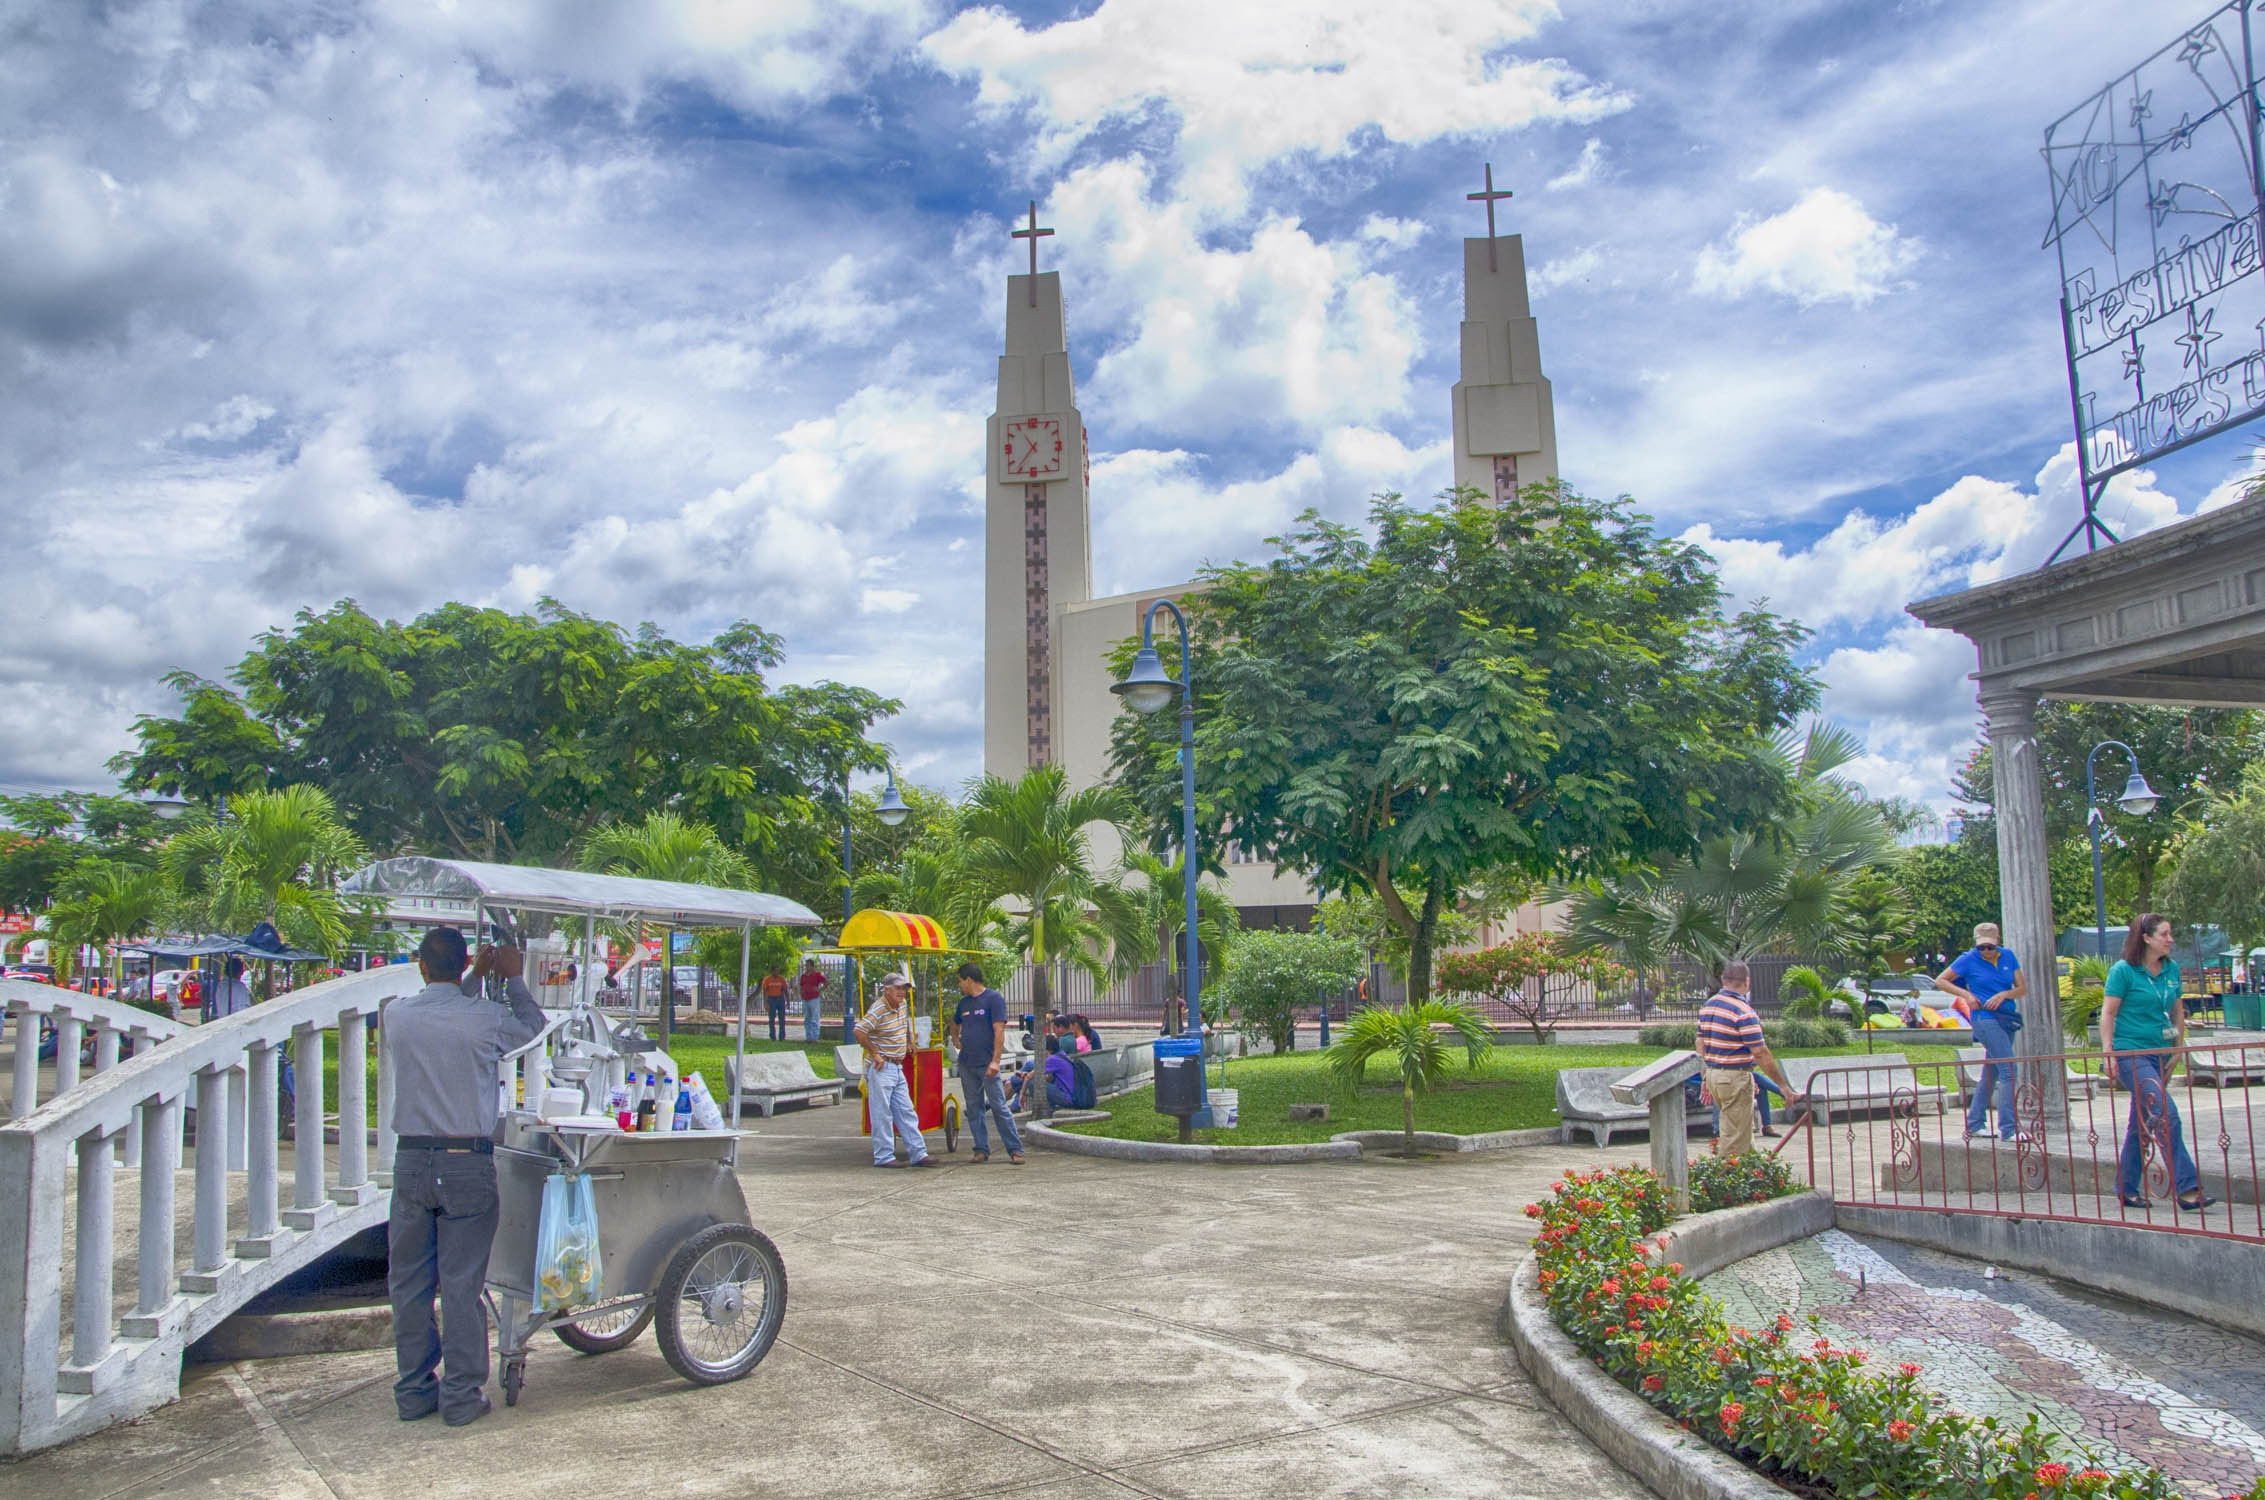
(444,1044)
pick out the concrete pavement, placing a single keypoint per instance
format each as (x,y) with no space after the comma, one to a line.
(1073,1327)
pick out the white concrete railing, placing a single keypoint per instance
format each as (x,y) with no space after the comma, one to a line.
(56,1385)
(114,1024)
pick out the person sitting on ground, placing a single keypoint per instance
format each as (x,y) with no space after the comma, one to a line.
(1061,1078)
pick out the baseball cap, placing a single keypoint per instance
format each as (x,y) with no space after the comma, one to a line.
(897,978)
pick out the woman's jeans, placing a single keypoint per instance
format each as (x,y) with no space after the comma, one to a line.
(2141,1073)
(1997,1077)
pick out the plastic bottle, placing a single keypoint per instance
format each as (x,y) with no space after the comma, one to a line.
(683,1120)
(645,1109)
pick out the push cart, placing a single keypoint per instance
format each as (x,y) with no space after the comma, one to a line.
(919,945)
(675,1250)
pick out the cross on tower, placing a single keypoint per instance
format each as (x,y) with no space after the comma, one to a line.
(1034,234)
(1488,198)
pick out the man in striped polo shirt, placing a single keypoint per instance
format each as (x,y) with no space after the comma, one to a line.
(885,1032)
(1730,1049)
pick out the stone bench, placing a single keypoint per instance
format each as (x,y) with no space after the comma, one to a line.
(1585,1102)
(775,1078)
(1970,1059)
(1848,1085)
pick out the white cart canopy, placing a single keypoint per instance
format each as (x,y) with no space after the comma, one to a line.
(574,893)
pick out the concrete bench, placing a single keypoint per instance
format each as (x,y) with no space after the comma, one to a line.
(1848,1085)
(775,1078)
(1970,1059)
(1585,1102)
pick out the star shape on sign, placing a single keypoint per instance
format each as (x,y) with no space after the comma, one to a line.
(2134,363)
(2142,105)
(2164,202)
(2198,338)
(2183,136)
(2198,45)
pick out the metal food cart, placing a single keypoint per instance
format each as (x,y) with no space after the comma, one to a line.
(919,944)
(676,1249)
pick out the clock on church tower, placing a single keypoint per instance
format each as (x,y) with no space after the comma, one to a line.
(1033,449)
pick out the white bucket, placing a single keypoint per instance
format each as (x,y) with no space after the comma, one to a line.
(1226,1108)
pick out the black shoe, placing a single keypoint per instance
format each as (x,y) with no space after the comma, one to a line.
(886,1164)
(928,1161)
(2135,1201)
(418,1413)
(467,1418)
(2196,1204)
(1771,1134)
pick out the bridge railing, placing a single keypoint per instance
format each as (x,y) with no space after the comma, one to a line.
(38,1011)
(59,1161)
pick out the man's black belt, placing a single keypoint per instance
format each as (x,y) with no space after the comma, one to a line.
(478,1145)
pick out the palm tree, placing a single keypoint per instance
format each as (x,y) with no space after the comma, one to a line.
(1026,845)
(1746,892)
(1413,1036)
(1216,920)
(666,847)
(105,904)
(277,859)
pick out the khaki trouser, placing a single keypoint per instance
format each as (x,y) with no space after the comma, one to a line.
(1733,1090)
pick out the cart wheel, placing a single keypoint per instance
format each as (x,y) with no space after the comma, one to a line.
(514,1371)
(721,1302)
(951,1124)
(615,1328)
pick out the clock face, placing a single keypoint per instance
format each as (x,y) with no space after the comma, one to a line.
(1031,448)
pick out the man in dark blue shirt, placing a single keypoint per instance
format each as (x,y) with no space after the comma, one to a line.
(1988,984)
(979,1030)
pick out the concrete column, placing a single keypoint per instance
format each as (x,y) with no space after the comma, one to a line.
(2025,892)
(27,1061)
(161,1157)
(90,1298)
(212,1171)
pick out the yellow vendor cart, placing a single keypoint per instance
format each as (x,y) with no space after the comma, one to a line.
(918,945)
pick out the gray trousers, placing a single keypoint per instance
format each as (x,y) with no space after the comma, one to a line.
(444,1216)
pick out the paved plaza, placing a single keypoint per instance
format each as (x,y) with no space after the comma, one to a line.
(1069,1328)
(2137,1385)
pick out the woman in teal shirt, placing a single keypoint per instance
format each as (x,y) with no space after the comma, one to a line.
(2142,1016)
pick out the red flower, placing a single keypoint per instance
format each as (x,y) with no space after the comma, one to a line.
(1729,1415)
(1899,1430)
(1654,1384)
(1533,1210)
(1659,1283)
(1784,1323)
(1908,1371)
(1676,1266)
(1823,1346)
(1646,1349)
(2051,1474)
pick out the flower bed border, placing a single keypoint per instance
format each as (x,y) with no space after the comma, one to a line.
(1632,1432)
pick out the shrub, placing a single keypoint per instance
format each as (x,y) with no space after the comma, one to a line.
(1674,1036)
(1791,1406)
(1500,976)
(1269,978)
(1728,1181)
(2081,993)
(1804,992)
(1805,1033)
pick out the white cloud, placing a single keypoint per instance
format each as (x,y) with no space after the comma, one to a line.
(1825,248)
(1285,331)
(1395,234)
(1244,85)
(1581,265)
(887,601)
(1588,167)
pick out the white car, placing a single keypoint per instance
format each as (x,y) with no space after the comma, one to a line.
(166,983)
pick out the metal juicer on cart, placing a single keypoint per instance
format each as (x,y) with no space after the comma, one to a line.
(676,1249)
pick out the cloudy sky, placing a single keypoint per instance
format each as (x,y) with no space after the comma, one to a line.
(686,310)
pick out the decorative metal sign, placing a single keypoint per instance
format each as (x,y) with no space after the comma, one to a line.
(2156,199)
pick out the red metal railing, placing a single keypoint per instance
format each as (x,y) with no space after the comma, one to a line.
(1888,1133)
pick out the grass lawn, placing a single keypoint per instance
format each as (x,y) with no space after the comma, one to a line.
(1515,1088)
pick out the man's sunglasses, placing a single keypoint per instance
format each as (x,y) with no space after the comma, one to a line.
(1985,947)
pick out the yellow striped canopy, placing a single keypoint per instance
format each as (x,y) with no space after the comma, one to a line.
(902,931)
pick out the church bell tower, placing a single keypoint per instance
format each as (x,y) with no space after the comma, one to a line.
(1505,423)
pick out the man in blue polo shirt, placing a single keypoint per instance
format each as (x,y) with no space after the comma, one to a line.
(1988,983)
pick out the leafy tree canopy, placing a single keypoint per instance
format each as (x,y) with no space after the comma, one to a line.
(2185,754)
(1953,888)
(1271,977)
(492,735)
(1545,690)
(2220,872)
(50,836)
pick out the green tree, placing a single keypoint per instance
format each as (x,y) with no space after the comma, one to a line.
(1413,1040)
(1778,886)
(1026,844)
(1953,888)
(2219,877)
(1545,690)
(105,905)
(1504,975)
(51,835)
(1218,925)
(2185,754)
(499,736)
(664,846)
(1269,977)
(1357,914)
(1874,929)
(277,859)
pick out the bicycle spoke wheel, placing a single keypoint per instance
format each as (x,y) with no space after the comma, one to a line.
(721,1303)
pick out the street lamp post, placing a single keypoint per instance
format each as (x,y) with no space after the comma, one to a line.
(891,811)
(2139,799)
(1146,689)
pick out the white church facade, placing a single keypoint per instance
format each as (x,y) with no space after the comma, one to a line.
(1047,640)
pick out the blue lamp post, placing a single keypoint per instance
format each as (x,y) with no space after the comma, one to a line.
(2139,799)
(891,810)
(1146,689)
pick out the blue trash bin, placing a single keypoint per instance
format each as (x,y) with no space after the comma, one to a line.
(1179,1078)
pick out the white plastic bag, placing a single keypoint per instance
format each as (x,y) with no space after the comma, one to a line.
(706,1115)
(568,1270)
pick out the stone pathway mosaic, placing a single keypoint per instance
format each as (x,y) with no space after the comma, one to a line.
(2130,1383)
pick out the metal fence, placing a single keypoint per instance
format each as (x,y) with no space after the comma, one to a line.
(2084,1147)
(1140,998)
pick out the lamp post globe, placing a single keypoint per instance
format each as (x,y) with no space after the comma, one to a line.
(2138,797)
(1147,688)
(891,809)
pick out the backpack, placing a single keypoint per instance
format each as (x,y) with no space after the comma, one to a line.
(1081,1092)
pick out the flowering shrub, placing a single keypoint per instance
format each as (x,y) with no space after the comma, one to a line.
(1780,1398)
(1728,1181)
